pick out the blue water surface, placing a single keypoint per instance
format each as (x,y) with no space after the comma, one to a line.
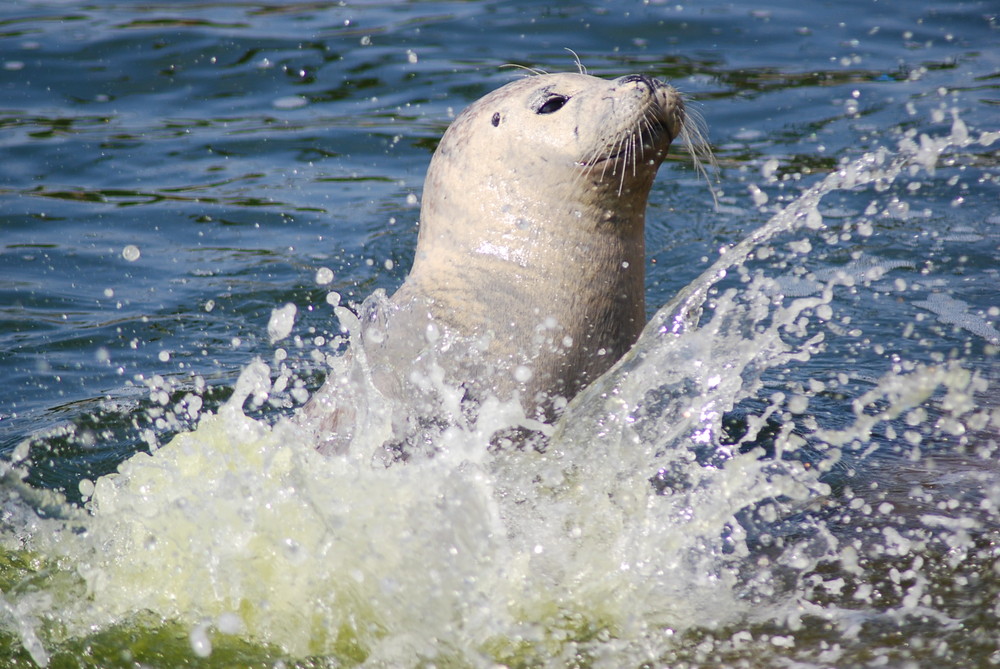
(171,172)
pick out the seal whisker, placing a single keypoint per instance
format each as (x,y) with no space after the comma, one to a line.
(619,157)
(579,65)
(629,153)
(628,148)
(644,124)
(604,163)
(531,70)
(631,156)
(578,177)
(694,133)
(636,150)
(616,150)
(586,164)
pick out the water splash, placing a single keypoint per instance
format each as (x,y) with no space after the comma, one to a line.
(648,519)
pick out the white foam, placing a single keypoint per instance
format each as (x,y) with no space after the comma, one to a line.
(474,551)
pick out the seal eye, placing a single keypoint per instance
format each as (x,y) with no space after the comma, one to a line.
(496,119)
(552,104)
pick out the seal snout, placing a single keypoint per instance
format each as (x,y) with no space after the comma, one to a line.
(665,111)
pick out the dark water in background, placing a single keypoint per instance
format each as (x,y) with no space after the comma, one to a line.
(240,147)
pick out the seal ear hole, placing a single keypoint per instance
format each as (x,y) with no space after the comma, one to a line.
(496,119)
(552,104)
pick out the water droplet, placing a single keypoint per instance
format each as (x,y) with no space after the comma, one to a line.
(201,645)
(523,373)
(281,322)
(324,275)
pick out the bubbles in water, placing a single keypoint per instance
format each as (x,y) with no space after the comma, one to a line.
(131,253)
(955,312)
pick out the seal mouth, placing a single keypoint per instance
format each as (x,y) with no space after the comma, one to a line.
(649,141)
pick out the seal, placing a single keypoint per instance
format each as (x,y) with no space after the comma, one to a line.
(528,277)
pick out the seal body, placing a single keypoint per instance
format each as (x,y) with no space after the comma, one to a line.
(528,278)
